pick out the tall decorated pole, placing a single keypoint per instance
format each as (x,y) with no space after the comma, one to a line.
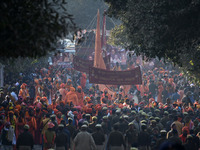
(98,58)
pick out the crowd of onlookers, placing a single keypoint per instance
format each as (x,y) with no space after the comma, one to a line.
(58,108)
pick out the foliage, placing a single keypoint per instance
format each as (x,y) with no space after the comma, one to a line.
(31,28)
(120,36)
(25,65)
(22,68)
(162,28)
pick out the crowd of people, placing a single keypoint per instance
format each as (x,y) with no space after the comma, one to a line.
(59,109)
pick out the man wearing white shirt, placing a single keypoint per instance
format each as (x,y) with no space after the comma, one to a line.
(13,94)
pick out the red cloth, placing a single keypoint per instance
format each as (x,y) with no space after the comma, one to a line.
(38,136)
(59,120)
(19,128)
(33,126)
(183,138)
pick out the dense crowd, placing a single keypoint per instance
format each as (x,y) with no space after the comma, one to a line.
(58,108)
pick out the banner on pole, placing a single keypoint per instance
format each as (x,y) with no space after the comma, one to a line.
(128,77)
(83,65)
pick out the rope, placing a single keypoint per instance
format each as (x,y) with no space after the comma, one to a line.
(101,24)
(91,24)
(87,33)
(93,37)
(112,21)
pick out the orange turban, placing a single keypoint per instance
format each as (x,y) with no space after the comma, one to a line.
(62,85)
(55,111)
(72,89)
(18,107)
